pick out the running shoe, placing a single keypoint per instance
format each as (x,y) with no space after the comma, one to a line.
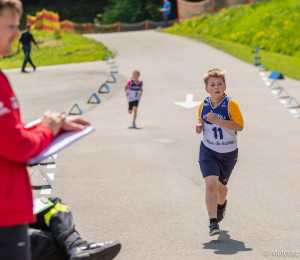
(96,251)
(221,212)
(214,229)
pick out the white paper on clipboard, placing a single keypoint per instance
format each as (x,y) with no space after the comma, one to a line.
(59,143)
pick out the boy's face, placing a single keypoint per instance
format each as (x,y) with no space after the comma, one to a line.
(135,75)
(215,87)
(9,22)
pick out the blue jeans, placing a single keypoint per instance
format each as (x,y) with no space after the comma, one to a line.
(27,58)
(166,18)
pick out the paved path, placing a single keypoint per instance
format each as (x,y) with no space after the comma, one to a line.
(121,184)
(59,87)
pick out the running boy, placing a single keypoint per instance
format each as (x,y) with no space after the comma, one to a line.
(220,118)
(134,90)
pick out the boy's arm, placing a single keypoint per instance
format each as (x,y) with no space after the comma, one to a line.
(126,86)
(236,123)
(199,126)
(231,125)
(141,90)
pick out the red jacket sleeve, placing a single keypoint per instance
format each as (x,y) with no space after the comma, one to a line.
(16,143)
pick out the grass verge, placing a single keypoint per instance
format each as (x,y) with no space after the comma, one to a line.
(288,65)
(57,49)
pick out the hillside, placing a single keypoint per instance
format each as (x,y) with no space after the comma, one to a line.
(271,25)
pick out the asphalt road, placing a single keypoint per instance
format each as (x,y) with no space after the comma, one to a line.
(124,184)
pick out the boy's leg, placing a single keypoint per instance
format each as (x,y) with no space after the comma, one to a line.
(222,193)
(134,113)
(227,163)
(211,172)
(211,195)
(222,202)
(130,106)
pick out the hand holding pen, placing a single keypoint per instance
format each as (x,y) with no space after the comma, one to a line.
(56,121)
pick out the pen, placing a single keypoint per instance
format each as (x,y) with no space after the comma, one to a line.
(33,123)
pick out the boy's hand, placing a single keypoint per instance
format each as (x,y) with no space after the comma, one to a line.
(199,128)
(212,118)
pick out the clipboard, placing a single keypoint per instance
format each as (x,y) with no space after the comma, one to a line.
(40,204)
(60,142)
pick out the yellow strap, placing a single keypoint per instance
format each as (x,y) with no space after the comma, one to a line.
(49,215)
(61,207)
(57,207)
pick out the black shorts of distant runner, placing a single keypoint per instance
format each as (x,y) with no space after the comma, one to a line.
(132,104)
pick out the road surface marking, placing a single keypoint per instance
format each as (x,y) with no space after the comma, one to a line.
(189,103)
(45,190)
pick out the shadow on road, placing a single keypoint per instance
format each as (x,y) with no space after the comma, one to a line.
(38,187)
(136,128)
(225,245)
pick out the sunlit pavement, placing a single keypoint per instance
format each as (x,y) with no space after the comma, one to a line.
(134,186)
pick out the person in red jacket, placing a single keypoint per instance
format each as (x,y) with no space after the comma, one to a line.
(17,146)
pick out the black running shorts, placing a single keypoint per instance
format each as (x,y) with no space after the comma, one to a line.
(132,104)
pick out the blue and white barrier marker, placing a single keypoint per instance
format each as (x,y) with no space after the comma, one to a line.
(114,80)
(80,112)
(105,86)
(96,97)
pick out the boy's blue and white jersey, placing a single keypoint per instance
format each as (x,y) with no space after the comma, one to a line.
(134,90)
(218,138)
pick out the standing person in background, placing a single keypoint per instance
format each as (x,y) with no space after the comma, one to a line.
(26,39)
(17,146)
(166,11)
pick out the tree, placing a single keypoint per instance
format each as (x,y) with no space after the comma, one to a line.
(133,11)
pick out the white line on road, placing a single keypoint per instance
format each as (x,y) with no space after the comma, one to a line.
(268,83)
(45,190)
(261,73)
(293,111)
(282,101)
(51,166)
(264,78)
(275,92)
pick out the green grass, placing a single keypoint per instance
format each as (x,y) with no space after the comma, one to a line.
(56,49)
(288,65)
(271,25)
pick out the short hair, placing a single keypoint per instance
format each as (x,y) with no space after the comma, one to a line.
(28,25)
(214,73)
(136,71)
(15,5)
